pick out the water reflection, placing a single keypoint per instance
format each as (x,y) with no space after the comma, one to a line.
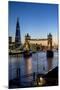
(28,67)
(49,63)
(18,71)
(17,62)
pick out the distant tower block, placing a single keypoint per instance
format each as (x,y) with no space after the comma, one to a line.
(17,35)
(10,40)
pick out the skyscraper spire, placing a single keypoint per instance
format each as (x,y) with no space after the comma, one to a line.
(17,35)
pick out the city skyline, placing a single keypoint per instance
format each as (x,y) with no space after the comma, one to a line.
(36,19)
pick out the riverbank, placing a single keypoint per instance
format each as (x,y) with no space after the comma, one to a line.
(51,79)
(18,53)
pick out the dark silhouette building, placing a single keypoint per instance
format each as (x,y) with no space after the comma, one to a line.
(10,39)
(17,35)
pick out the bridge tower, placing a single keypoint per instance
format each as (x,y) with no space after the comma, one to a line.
(27,44)
(50,53)
(50,41)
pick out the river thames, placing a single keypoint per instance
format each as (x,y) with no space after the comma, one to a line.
(38,63)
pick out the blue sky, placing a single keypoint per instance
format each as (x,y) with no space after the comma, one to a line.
(36,19)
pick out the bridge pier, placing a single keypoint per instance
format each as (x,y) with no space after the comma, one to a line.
(50,54)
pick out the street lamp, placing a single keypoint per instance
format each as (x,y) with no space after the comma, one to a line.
(37,67)
(37,57)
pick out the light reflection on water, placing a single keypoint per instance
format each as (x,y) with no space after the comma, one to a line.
(28,68)
(29,65)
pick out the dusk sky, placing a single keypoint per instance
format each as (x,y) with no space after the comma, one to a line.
(36,19)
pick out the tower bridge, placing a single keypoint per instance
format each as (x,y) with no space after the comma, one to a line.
(46,42)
